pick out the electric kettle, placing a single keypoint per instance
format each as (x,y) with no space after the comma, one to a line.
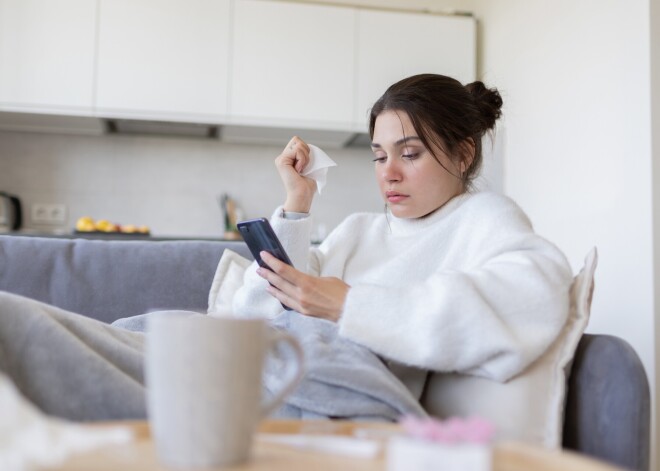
(10,207)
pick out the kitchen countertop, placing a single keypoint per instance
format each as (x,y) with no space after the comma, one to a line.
(110,236)
(120,236)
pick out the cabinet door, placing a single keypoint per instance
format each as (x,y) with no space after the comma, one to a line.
(163,59)
(293,64)
(47,55)
(393,45)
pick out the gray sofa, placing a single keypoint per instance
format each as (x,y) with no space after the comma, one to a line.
(608,402)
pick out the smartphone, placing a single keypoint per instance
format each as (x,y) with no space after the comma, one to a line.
(258,234)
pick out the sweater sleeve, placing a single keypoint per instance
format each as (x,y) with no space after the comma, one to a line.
(491,319)
(252,299)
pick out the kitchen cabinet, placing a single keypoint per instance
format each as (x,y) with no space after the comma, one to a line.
(261,69)
(163,59)
(47,56)
(394,45)
(293,65)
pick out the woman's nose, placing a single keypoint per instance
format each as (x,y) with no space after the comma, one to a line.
(391,171)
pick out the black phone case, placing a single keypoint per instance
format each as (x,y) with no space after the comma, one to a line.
(258,234)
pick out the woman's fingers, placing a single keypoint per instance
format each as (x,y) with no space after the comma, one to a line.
(278,269)
(315,296)
(279,286)
(300,151)
(290,165)
(283,298)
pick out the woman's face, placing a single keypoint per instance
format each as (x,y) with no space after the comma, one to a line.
(411,181)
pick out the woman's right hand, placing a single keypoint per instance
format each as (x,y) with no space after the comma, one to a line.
(290,164)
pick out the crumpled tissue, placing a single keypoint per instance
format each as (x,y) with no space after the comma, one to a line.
(30,439)
(317,167)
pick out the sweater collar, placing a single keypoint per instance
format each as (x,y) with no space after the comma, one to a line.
(403,226)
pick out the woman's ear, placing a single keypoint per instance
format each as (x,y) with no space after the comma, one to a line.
(468,148)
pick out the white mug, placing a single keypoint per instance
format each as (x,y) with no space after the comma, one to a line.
(204,387)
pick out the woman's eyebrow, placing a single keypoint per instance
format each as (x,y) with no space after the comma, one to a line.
(399,142)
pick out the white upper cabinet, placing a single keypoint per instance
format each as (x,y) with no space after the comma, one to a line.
(240,63)
(293,64)
(394,45)
(163,59)
(47,55)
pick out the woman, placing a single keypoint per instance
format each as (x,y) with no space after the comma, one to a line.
(445,279)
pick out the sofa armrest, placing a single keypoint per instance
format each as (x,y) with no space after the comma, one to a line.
(106,279)
(608,406)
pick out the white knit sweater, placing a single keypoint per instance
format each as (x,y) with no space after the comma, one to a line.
(470,288)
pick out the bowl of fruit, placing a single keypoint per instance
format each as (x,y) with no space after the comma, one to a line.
(87,225)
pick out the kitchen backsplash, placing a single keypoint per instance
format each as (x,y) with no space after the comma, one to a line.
(171,184)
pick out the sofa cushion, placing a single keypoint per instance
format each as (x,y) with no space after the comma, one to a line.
(529,407)
(227,280)
(110,279)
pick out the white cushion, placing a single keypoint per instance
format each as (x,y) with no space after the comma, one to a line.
(529,407)
(227,280)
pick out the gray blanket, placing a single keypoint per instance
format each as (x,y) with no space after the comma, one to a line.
(82,369)
(71,366)
(343,379)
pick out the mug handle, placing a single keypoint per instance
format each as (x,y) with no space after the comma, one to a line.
(294,371)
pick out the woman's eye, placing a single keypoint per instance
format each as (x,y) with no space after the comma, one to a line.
(380,160)
(409,156)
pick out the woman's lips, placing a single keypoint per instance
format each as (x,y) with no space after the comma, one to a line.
(395,197)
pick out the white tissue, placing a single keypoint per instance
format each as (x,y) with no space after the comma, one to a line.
(28,438)
(317,167)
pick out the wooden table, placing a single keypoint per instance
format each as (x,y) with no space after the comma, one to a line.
(140,455)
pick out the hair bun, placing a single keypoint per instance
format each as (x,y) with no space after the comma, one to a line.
(489,102)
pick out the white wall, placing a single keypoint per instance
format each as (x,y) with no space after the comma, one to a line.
(578,139)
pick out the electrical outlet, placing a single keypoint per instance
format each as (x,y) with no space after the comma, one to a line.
(48,213)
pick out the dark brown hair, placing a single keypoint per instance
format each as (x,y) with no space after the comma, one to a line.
(446,114)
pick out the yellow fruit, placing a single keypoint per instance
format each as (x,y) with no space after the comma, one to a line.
(129,228)
(143,229)
(105,226)
(85,224)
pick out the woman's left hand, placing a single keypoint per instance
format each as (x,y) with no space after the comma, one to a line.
(310,295)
